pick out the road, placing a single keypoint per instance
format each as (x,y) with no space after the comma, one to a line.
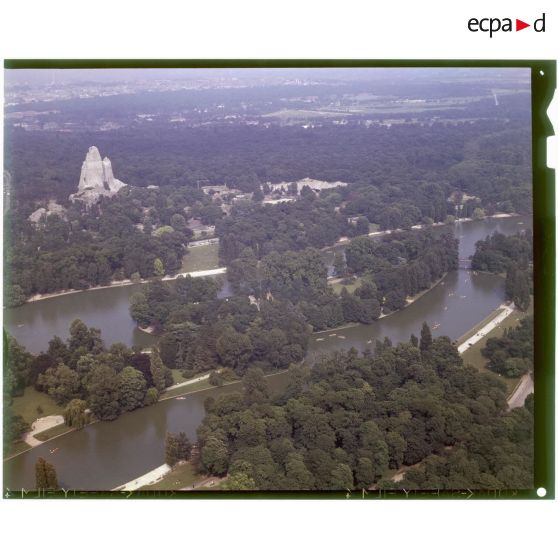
(523,389)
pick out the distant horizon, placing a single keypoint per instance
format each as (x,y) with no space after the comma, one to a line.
(36,77)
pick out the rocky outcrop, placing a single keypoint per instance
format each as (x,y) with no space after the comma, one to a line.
(96,179)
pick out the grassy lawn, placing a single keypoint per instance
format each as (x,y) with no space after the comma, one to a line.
(177,376)
(183,475)
(199,258)
(52,432)
(27,404)
(17,447)
(338,287)
(473,355)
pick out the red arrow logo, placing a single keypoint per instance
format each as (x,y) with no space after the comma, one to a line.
(519,25)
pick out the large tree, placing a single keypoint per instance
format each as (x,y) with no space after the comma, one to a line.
(132,389)
(104,393)
(45,475)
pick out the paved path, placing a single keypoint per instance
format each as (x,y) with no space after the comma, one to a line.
(203,273)
(40,425)
(149,478)
(193,381)
(126,282)
(523,389)
(468,343)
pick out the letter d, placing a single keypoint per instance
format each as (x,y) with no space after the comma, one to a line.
(540,21)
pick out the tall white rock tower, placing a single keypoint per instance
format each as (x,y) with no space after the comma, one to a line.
(96,179)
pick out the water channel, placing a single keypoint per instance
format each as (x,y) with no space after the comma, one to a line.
(105,455)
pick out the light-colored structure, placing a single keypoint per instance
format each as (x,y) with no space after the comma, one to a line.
(96,179)
(312,183)
(52,209)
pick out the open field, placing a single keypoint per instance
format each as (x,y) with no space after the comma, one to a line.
(304,113)
(199,258)
(177,376)
(338,287)
(27,404)
(473,355)
(182,476)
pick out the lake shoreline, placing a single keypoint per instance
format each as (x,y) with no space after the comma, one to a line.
(221,270)
(126,283)
(161,400)
(408,303)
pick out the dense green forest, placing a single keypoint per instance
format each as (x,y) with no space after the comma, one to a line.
(263,229)
(398,176)
(350,421)
(512,355)
(202,332)
(512,255)
(194,319)
(119,238)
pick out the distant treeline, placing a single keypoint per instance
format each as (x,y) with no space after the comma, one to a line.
(486,158)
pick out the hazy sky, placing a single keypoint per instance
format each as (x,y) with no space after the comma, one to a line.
(38,77)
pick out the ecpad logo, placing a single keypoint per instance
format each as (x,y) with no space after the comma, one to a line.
(494,24)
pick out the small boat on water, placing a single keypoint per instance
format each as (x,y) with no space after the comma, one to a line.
(341,337)
(332,334)
(369,341)
(54,450)
(320,339)
(436,326)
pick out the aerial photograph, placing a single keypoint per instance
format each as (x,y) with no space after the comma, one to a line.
(268,279)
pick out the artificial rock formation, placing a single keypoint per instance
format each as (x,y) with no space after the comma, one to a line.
(96,179)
